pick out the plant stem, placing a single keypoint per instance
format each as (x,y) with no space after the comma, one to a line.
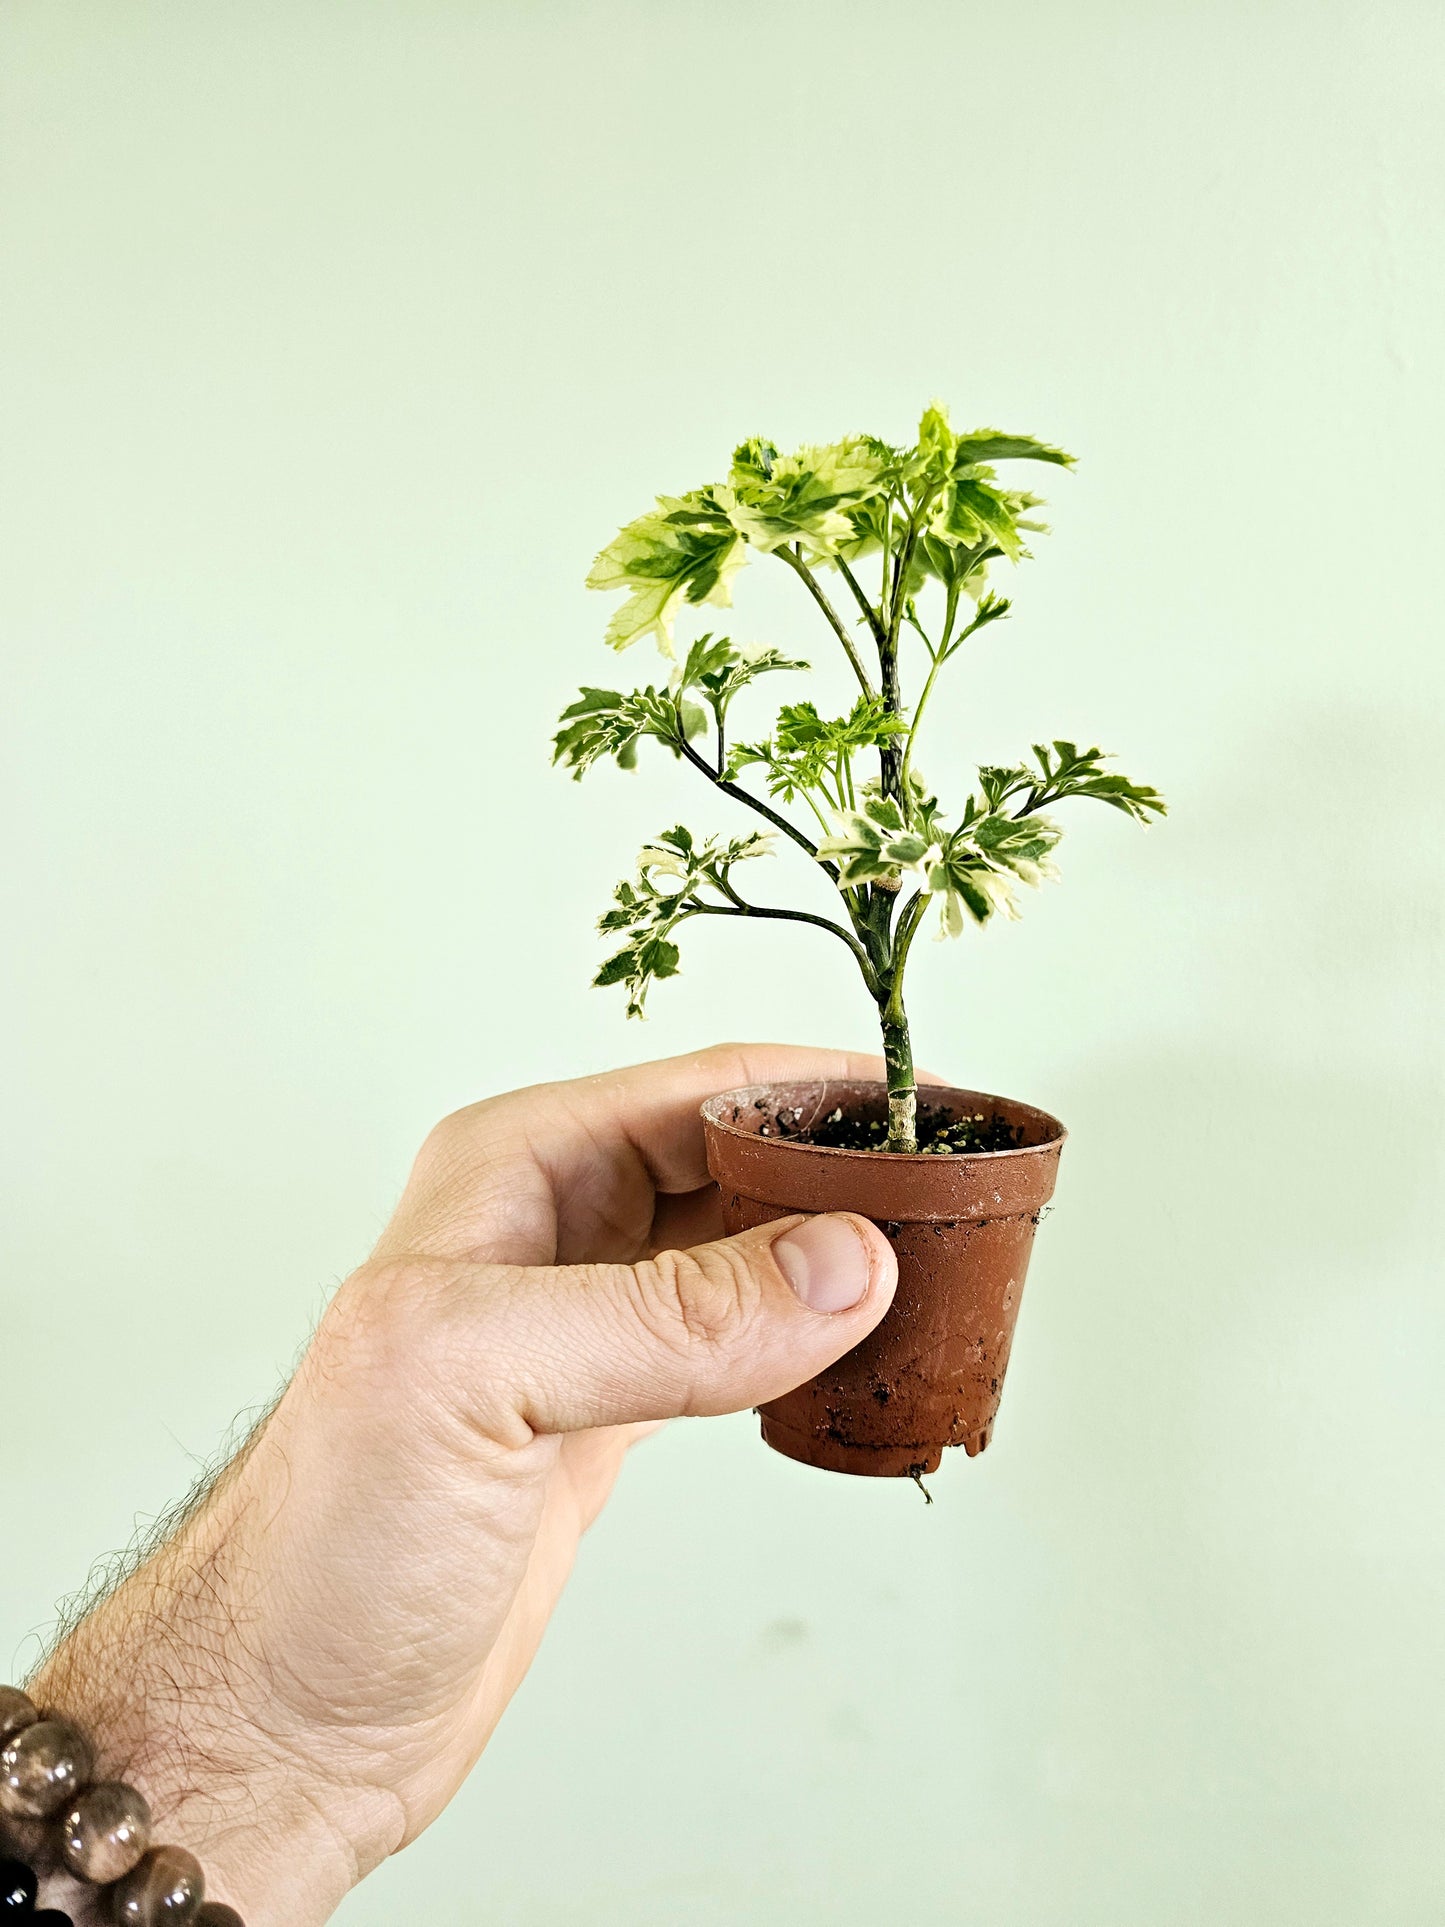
(890,757)
(890,762)
(902,1090)
(897,1044)
(835,622)
(885,546)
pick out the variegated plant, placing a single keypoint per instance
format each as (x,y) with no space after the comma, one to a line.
(928,520)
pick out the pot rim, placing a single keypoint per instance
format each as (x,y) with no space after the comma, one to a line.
(745,1094)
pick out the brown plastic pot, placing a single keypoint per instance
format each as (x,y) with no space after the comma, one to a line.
(931,1373)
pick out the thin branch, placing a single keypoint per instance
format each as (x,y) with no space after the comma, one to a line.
(800,568)
(719,880)
(719,781)
(778,821)
(900,574)
(885,545)
(950,616)
(940,656)
(907,929)
(869,612)
(865,964)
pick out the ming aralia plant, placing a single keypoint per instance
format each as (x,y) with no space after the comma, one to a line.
(893,548)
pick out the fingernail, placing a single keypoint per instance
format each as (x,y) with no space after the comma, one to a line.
(826,1263)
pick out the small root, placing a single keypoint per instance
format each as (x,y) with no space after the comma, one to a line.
(915,1472)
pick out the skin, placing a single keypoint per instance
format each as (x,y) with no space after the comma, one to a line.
(302,1676)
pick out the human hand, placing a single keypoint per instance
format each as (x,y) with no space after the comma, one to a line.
(305,1672)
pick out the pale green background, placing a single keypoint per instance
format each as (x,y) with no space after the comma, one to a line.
(336,337)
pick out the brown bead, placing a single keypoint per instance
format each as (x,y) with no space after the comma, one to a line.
(17,1711)
(43,1768)
(216,1913)
(165,1890)
(104,1833)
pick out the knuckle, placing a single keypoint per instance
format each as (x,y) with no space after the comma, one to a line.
(728,1060)
(451,1140)
(694,1300)
(385,1316)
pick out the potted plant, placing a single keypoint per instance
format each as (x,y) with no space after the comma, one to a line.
(892,547)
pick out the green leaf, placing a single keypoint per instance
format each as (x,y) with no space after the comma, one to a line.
(999,784)
(618,969)
(710,655)
(658,958)
(859,848)
(684,549)
(717,670)
(992,445)
(872,844)
(963,892)
(773,498)
(603,722)
(677,876)
(961,567)
(978,515)
(807,751)
(867,724)
(933,455)
(1020,844)
(972,870)
(1065,770)
(869,521)
(969,883)
(884,813)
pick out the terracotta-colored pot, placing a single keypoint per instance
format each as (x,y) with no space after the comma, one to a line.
(963,1225)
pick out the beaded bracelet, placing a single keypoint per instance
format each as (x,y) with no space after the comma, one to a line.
(102,1831)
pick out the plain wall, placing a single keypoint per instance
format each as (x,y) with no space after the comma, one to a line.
(336,338)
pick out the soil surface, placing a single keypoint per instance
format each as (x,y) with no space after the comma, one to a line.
(939,1134)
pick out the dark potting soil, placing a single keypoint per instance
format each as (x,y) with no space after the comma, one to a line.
(939,1135)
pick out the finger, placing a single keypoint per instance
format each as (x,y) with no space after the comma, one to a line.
(727,1325)
(654,1108)
(567,1171)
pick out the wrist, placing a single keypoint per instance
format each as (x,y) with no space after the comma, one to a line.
(174,1699)
(256,1823)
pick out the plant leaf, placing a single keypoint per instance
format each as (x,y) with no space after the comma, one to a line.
(1065,770)
(604,722)
(684,549)
(675,874)
(804,752)
(992,445)
(773,498)
(717,670)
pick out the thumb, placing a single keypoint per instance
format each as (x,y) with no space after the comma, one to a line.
(715,1329)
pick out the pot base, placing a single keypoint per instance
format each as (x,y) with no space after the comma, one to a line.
(864,1461)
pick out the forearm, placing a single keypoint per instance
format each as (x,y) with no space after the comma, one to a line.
(168,1683)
